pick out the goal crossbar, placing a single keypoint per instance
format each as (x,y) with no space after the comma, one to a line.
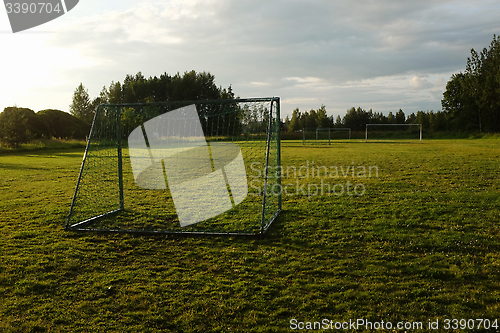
(366,128)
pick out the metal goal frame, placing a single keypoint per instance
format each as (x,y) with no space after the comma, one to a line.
(102,203)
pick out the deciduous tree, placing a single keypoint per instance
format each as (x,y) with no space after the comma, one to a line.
(81,106)
(20,125)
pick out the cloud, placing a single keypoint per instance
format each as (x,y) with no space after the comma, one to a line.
(265,84)
(308,82)
(385,54)
(419,83)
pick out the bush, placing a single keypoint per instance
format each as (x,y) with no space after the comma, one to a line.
(22,125)
(63,125)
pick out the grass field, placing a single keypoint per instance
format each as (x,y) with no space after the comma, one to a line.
(420,242)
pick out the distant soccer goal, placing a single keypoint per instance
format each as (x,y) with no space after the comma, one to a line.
(324,133)
(393,126)
(186,167)
(307,135)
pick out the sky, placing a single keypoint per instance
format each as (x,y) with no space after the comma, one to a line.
(383,55)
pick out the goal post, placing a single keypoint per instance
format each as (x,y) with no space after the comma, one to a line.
(185,167)
(367,125)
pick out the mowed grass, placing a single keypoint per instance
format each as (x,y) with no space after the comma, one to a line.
(421,243)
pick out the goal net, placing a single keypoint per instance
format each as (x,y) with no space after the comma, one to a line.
(393,131)
(181,167)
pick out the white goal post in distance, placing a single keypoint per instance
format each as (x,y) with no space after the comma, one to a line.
(366,130)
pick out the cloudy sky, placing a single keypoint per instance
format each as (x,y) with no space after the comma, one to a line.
(377,54)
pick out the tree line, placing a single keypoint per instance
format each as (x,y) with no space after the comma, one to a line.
(139,89)
(357,118)
(20,125)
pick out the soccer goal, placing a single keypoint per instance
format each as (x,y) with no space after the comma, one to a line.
(321,133)
(190,167)
(325,134)
(307,135)
(393,126)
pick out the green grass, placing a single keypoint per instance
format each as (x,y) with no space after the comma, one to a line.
(421,243)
